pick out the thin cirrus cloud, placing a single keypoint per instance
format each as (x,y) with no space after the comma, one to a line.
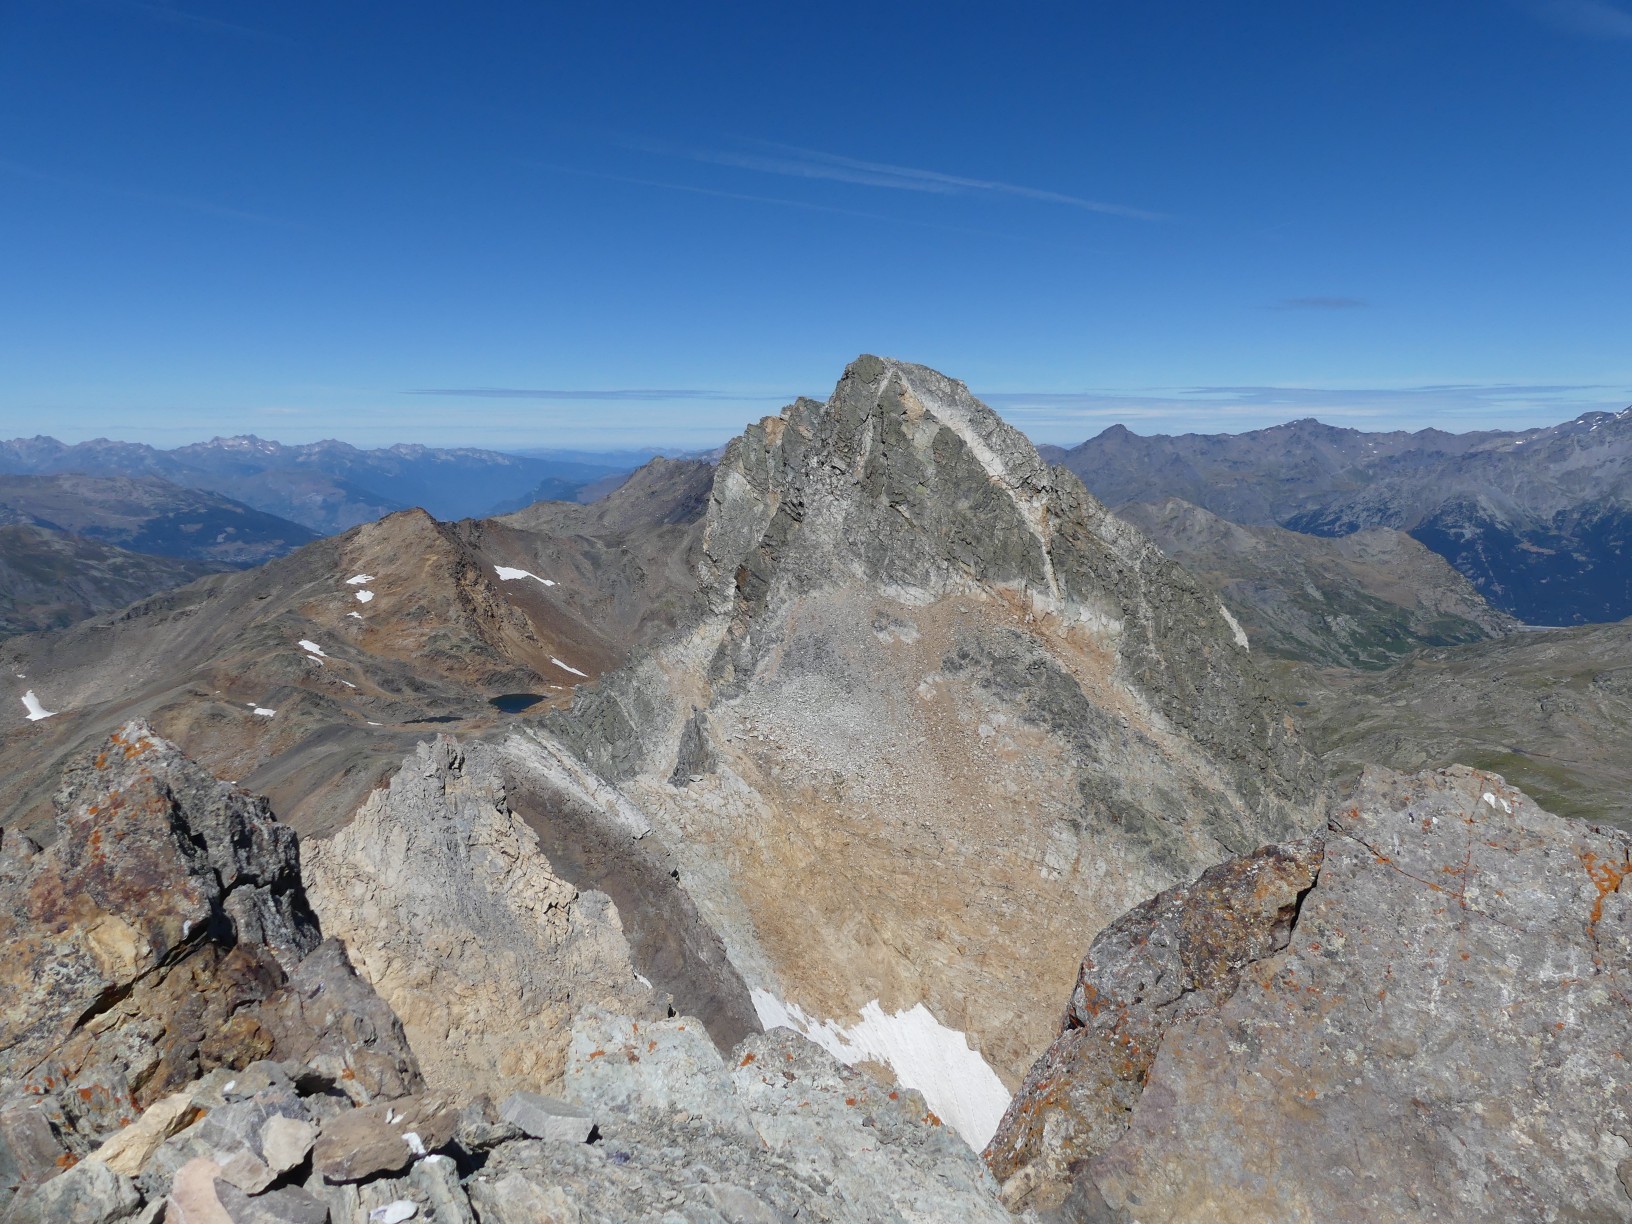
(1322,303)
(792,161)
(163,199)
(1593,18)
(639,395)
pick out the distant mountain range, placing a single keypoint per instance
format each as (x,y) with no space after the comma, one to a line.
(1540,521)
(73,546)
(327,486)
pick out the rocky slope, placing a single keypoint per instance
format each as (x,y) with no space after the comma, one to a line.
(920,646)
(1538,520)
(1550,710)
(325,486)
(1362,600)
(470,626)
(149,515)
(196,1054)
(50,579)
(1420,1015)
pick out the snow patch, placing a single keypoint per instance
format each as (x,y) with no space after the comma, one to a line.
(507,574)
(348,684)
(264,712)
(312,647)
(359,579)
(358,615)
(364,596)
(36,711)
(956,1081)
(566,667)
(1235,628)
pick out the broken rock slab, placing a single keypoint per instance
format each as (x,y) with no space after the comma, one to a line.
(545,1117)
(379,1139)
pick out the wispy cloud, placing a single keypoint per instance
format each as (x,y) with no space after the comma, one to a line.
(1321,303)
(792,161)
(628,396)
(187,203)
(1593,18)
(782,201)
(198,21)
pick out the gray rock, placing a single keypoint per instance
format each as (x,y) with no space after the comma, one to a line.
(481,1128)
(651,1066)
(437,1179)
(285,1142)
(545,1117)
(285,1205)
(330,1020)
(33,1143)
(88,1193)
(1443,1036)
(1179,955)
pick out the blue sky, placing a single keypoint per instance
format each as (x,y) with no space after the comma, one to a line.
(620,225)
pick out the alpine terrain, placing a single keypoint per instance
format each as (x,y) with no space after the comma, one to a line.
(726,849)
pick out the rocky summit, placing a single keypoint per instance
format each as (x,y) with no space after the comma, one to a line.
(940,717)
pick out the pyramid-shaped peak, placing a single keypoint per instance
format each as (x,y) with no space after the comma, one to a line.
(917,390)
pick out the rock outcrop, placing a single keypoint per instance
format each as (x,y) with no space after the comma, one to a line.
(163,935)
(455,916)
(1435,1028)
(944,717)
(179,1045)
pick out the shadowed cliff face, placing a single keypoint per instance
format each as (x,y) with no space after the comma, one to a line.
(941,718)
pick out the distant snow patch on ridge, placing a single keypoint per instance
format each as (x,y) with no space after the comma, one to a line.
(359,579)
(364,596)
(264,712)
(1235,628)
(312,648)
(36,711)
(568,667)
(922,1051)
(508,574)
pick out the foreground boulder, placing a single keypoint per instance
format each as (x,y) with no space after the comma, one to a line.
(163,935)
(1424,1016)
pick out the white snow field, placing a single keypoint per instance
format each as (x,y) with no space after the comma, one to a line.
(923,1052)
(507,574)
(36,711)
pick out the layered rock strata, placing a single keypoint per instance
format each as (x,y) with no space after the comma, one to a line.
(1422,1016)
